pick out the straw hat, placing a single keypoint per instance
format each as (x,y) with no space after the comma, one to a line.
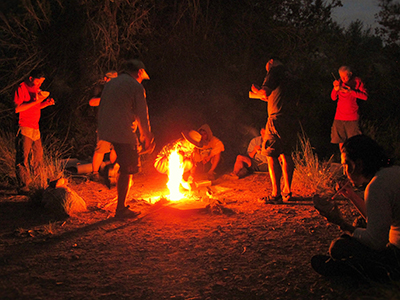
(43,95)
(193,137)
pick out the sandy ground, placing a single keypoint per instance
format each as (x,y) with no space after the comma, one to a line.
(220,242)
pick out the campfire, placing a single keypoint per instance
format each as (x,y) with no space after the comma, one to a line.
(175,175)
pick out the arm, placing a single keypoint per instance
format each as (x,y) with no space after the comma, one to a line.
(94,101)
(254,152)
(26,105)
(142,118)
(254,146)
(48,102)
(257,93)
(335,90)
(380,214)
(357,201)
(359,92)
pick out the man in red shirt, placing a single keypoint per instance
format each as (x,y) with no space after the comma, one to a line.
(29,100)
(346,91)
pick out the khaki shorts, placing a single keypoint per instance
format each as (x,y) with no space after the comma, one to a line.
(103,147)
(343,130)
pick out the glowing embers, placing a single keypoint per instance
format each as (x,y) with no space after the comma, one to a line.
(175,174)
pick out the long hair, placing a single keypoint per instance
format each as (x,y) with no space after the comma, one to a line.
(363,148)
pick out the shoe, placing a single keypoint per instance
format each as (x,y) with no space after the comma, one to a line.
(126,213)
(326,266)
(272,199)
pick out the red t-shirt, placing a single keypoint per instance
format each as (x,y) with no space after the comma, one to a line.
(347,107)
(30,117)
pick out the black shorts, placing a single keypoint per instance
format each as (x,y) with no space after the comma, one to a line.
(280,137)
(127,158)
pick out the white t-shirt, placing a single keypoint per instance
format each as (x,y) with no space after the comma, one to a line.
(382,199)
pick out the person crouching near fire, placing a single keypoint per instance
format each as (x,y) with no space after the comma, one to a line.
(208,157)
(185,147)
(371,253)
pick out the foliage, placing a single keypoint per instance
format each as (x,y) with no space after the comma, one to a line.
(389,19)
(7,158)
(50,169)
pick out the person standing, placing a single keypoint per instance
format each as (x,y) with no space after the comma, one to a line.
(371,252)
(102,147)
(29,101)
(123,110)
(281,128)
(346,91)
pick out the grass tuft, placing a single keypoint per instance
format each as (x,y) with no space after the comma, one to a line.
(311,176)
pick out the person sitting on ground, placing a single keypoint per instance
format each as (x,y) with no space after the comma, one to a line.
(254,161)
(208,157)
(102,147)
(372,252)
(185,147)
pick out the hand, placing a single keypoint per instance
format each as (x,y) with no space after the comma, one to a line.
(257,148)
(336,85)
(255,89)
(334,216)
(50,101)
(345,189)
(328,209)
(149,145)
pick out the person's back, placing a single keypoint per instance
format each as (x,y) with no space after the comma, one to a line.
(119,101)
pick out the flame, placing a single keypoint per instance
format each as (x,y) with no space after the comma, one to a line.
(175,173)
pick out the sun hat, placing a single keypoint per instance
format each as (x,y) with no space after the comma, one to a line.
(193,137)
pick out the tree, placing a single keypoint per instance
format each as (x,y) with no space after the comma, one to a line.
(389,19)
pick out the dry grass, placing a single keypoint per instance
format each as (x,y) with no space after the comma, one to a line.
(312,176)
(51,167)
(7,157)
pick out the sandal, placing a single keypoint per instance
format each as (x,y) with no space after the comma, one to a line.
(272,199)
(287,196)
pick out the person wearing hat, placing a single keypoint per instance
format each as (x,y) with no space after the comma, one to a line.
(123,102)
(208,157)
(29,101)
(102,147)
(185,146)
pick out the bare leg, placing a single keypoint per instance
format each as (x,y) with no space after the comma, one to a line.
(288,169)
(122,189)
(241,162)
(97,160)
(113,156)
(275,173)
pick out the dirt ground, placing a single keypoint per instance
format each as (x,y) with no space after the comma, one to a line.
(220,242)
